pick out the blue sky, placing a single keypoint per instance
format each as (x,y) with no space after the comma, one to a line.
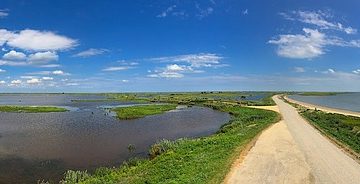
(117,46)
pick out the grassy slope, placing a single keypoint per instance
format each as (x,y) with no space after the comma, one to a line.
(30,109)
(141,111)
(345,129)
(201,160)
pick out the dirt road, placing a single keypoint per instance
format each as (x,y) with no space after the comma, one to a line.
(292,151)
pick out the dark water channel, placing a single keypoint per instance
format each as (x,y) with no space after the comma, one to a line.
(35,146)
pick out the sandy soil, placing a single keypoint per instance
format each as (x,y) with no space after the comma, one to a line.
(322,108)
(272,108)
(292,151)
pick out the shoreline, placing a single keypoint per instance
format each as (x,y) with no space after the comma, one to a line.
(322,108)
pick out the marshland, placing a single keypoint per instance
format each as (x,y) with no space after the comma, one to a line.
(104,130)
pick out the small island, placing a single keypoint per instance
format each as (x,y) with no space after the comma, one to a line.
(140,111)
(31,109)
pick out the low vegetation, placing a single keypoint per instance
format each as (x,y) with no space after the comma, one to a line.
(200,160)
(31,109)
(140,111)
(345,129)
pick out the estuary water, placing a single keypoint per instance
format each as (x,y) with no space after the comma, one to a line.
(42,146)
(344,101)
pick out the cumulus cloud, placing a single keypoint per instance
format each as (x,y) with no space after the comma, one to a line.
(15,82)
(14,55)
(356,71)
(43,57)
(309,45)
(33,81)
(35,40)
(2,70)
(191,63)
(320,19)
(2,82)
(90,52)
(116,68)
(173,71)
(13,63)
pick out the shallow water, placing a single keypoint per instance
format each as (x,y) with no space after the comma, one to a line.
(37,146)
(345,101)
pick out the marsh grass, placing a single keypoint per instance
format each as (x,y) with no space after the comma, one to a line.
(140,111)
(31,109)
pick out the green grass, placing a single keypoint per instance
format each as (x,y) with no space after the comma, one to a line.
(201,160)
(31,109)
(190,98)
(140,111)
(345,129)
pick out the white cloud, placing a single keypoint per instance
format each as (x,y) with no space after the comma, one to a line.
(12,63)
(320,19)
(47,78)
(50,66)
(299,69)
(2,70)
(2,82)
(125,81)
(55,72)
(33,81)
(173,71)
(356,71)
(195,60)
(14,55)
(3,13)
(15,82)
(116,68)
(130,63)
(59,72)
(309,45)
(331,70)
(299,46)
(91,52)
(43,57)
(36,40)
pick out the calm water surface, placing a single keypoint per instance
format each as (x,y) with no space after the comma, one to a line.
(345,101)
(37,146)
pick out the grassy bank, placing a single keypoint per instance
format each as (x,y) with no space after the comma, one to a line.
(140,111)
(345,129)
(31,109)
(201,160)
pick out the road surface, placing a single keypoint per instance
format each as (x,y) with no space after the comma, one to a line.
(292,151)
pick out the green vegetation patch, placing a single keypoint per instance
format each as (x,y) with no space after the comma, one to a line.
(140,111)
(31,109)
(345,129)
(201,160)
